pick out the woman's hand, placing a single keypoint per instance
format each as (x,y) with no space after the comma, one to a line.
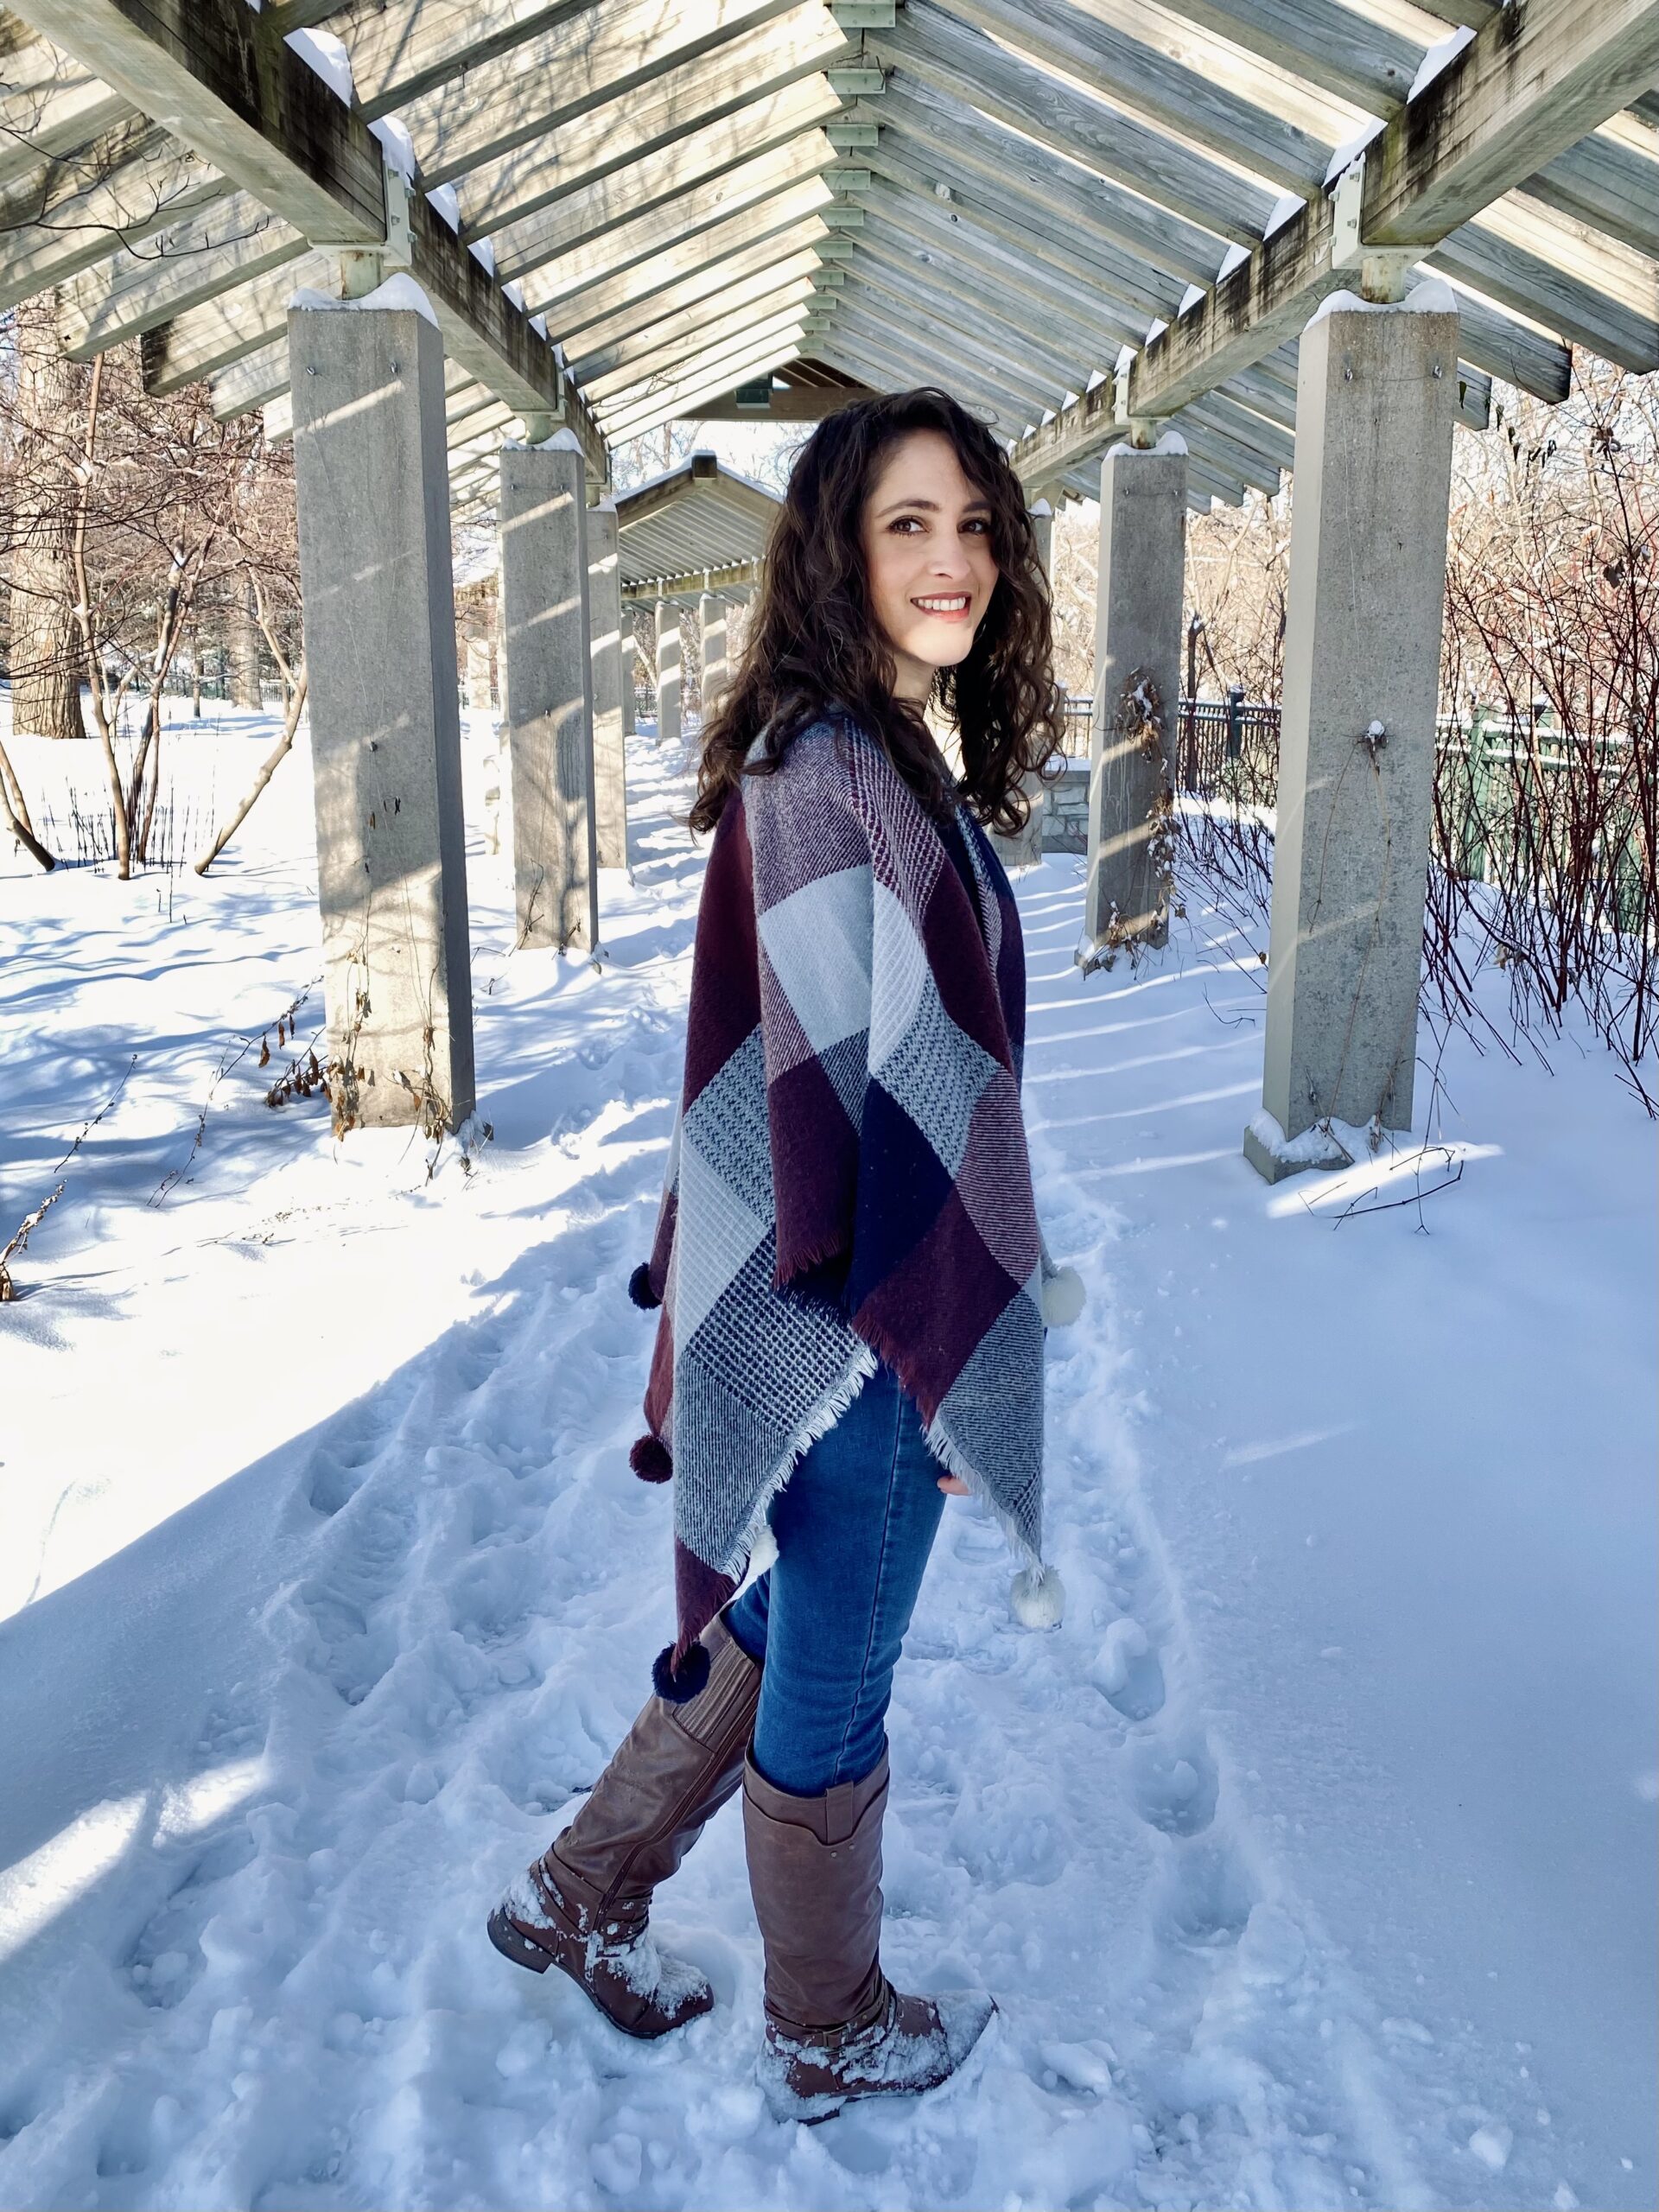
(955,1485)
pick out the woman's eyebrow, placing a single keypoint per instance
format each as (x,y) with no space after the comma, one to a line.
(973,507)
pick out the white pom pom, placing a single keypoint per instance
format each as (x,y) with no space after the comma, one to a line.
(1038,1597)
(1063,1298)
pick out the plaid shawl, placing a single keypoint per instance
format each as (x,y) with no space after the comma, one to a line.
(848,1175)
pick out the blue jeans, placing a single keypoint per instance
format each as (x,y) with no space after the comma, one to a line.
(854,1524)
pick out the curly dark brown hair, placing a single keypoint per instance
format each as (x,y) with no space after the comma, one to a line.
(815,646)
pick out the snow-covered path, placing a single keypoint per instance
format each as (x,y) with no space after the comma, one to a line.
(329,1587)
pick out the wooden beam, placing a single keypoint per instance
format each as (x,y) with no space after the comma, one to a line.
(705,366)
(1134,75)
(1331,45)
(226,84)
(1531,81)
(1134,287)
(885,372)
(788,403)
(210,251)
(938,125)
(1034,274)
(228,327)
(1067,317)
(606,50)
(220,78)
(878,291)
(598,359)
(52,104)
(953,57)
(678,399)
(652,116)
(689,338)
(946,357)
(78,209)
(706,288)
(575,215)
(794,173)
(698,262)
(1493,114)
(894,362)
(401,48)
(1624,329)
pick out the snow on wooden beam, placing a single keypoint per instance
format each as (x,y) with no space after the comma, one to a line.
(221,78)
(1531,81)
(1493,114)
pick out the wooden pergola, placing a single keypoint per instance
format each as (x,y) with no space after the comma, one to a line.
(1108,224)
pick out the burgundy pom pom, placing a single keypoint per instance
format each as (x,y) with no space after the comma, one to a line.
(677,1684)
(639,1289)
(650,1460)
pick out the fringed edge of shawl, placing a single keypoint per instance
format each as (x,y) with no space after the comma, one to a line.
(681,1668)
(822,1419)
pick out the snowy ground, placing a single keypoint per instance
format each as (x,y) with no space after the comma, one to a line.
(1310,1860)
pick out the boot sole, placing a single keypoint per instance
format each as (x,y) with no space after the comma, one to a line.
(513,1944)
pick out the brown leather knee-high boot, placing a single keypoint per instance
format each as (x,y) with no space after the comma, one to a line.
(836,2028)
(583,1906)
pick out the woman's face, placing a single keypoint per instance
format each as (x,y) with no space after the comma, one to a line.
(926,535)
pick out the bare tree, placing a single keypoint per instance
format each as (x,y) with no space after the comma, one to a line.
(38,456)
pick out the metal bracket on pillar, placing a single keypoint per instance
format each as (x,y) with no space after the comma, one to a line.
(1382,270)
(400,235)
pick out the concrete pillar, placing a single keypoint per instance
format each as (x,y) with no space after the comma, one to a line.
(630,646)
(605,614)
(1137,697)
(711,614)
(1026,850)
(548,692)
(1376,390)
(668,672)
(373,490)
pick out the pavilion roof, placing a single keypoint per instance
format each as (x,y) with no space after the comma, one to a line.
(1077,214)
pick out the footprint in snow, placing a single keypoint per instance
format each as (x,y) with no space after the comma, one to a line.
(1175,1787)
(1126,1673)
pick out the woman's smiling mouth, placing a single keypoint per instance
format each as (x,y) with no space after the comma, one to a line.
(949,605)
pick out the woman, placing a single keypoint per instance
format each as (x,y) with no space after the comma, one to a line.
(852,1280)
